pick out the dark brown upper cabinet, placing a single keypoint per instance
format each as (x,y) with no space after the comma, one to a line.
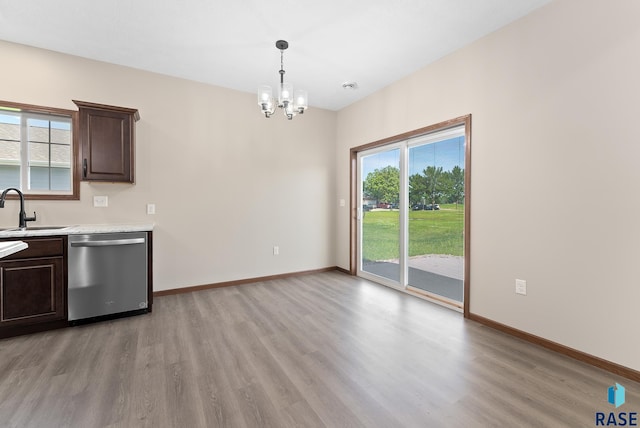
(107,137)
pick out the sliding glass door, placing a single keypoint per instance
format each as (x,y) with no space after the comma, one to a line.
(379,213)
(411,218)
(436,215)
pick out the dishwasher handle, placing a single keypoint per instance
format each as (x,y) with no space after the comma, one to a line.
(108,242)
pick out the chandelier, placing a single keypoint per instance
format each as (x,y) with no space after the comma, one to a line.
(290,102)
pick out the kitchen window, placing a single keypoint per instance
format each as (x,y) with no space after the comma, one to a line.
(38,151)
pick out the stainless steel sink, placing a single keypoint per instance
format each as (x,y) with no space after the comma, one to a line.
(17,229)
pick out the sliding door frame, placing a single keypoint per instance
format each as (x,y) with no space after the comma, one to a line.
(355,204)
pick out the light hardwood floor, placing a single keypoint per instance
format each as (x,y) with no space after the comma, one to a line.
(324,349)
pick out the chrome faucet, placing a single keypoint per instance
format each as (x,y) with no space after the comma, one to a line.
(22,216)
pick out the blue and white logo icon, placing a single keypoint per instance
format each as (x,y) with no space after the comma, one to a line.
(616,395)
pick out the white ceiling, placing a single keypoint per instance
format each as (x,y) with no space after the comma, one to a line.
(232,43)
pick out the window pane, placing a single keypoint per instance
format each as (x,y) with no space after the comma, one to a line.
(38,130)
(60,156)
(9,152)
(38,154)
(61,132)
(60,178)
(9,176)
(38,178)
(9,127)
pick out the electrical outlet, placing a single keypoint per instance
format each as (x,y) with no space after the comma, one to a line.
(521,287)
(101,201)
(151,208)
(276,250)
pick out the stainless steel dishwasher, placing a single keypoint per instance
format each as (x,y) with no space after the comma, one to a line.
(107,275)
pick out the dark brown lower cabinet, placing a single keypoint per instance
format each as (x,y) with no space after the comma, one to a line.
(32,288)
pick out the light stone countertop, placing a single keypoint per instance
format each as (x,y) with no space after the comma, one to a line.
(76,229)
(9,247)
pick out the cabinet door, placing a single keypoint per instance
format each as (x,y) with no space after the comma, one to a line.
(107,136)
(107,145)
(31,291)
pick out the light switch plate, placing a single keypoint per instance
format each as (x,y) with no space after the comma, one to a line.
(521,287)
(101,201)
(151,208)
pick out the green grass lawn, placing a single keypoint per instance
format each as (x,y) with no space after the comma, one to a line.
(430,232)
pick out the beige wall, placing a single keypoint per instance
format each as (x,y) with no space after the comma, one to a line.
(228,184)
(554,99)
